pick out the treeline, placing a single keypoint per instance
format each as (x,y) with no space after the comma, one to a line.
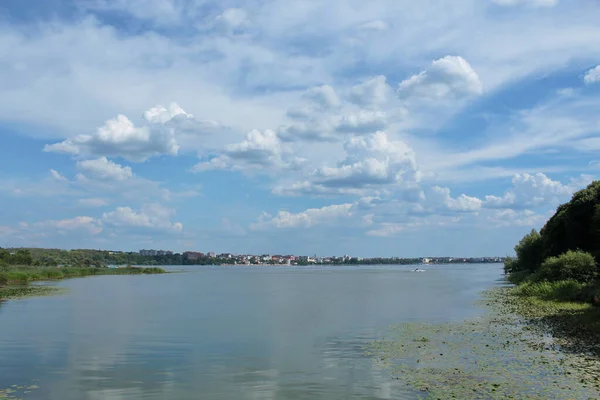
(18,257)
(567,248)
(94,258)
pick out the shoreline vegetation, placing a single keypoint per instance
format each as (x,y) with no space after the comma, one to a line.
(557,273)
(15,279)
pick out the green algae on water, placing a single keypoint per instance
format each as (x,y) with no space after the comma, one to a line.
(19,292)
(17,392)
(498,356)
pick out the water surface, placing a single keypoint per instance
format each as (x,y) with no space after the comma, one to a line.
(227,332)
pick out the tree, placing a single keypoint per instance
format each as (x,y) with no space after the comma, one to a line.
(575,224)
(529,253)
(22,257)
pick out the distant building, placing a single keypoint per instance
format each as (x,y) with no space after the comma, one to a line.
(212,254)
(155,253)
(192,255)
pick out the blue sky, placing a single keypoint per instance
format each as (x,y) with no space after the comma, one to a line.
(378,128)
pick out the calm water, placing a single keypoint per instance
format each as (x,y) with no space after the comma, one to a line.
(227,332)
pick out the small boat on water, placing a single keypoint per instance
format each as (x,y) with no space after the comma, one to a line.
(418,270)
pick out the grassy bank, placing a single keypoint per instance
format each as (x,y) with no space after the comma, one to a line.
(566,309)
(14,280)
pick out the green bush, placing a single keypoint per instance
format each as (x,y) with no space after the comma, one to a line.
(572,265)
(3,278)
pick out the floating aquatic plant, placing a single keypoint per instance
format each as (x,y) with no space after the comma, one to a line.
(501,355)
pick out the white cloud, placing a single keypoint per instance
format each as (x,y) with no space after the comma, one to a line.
(533,3)
(260,150)
(57,175)
(104,169)
(89,224)
(530,191)
(592,76)
(448,77)
(373,92)
(441,199)
(510,217)
(363,122)
(233,18)
(161,115)
(310,188)
(120,138)
(305,219)
(371,160)
(313,130)
(324,96)
(153,217)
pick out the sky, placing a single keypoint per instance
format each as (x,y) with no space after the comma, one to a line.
(329,127)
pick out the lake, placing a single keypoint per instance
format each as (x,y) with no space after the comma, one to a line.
(228,332)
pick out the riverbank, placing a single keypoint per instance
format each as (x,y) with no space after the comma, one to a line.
(523,347)
(564,309)
(14,280)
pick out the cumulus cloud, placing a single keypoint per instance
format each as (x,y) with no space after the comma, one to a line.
(161,115)
(373,92)
(260,150)
(104,169)
(57,175)
(371,160)
(362,122)
(304,219)
(323,96)
(448,77)
(312,130)
(441,199)
(151,217)
(119,137)
(333,127)
(530,191)
(592,76)
(509,217)
(532,3)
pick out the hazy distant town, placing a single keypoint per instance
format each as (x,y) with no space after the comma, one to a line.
(194,257)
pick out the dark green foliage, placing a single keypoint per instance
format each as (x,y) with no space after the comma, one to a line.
(18,257)
(575,224)
(565,252)
(529,253)
(573,265)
